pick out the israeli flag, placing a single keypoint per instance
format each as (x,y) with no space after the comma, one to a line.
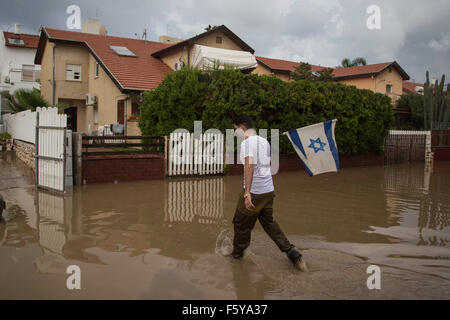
(316,147)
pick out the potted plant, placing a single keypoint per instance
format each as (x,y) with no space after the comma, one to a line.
(5,141)
(133,117)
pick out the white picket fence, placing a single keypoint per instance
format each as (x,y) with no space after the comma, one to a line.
(408,145)
(51,151)
(195,201)
(191,156)
(22,125)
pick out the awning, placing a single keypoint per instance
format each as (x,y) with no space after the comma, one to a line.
(204,57)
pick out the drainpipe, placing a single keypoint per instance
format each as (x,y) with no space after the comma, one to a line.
(53,76)
(125,116)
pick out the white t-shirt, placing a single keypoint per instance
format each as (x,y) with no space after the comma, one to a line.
(259,149)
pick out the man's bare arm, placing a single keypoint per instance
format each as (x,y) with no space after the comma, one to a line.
(248,174)
(249,167)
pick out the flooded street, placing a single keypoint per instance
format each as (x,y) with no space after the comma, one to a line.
(164,239)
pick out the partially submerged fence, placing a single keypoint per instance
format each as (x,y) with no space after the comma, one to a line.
(51,145)
(189,155)
(42,142)
(120,158)
(122,145)
(195,201)
(407,146)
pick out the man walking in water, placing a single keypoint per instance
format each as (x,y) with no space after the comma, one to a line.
(256,199)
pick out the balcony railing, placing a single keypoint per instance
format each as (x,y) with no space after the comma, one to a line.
(23,75)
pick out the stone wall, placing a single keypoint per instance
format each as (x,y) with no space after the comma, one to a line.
(26,152)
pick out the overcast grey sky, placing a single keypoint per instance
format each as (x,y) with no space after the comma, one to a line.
(415,33)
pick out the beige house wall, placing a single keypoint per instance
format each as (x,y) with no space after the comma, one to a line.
(71,54)
(107,93)
(378,83)
(46,73)
(262,70)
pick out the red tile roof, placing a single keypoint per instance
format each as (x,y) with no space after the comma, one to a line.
(30,40)
(284,65)
(410,87)
(129,73)
(360,70)
(338,73)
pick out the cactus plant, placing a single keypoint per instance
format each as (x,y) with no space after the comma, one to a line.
(436,103)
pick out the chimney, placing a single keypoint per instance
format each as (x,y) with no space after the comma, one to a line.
(93,26)
(17,28)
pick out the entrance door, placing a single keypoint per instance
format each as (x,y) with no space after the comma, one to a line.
(120,112)
(71,118)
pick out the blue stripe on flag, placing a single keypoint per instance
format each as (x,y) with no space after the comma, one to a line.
(329,134)
(296,140)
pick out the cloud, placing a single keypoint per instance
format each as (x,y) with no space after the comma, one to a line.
(440,45)
(415,33)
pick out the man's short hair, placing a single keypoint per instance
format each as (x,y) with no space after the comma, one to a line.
(244,120)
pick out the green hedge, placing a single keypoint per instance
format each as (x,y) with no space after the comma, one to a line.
(364,117)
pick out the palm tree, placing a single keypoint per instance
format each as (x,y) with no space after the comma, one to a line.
(24,99)
(210,27)
(345,63)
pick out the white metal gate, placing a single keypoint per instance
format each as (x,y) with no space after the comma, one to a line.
(195,156)
(50,145)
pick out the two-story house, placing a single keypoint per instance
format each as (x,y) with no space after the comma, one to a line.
(17,67)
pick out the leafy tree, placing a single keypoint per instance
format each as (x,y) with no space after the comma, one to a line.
(326,74)
(345,63)
(303,72)
(414,102)
(24,99)
(364,117)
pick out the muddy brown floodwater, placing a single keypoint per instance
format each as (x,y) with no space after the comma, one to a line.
(166,239)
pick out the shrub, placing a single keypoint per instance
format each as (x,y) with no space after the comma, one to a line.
(413,102)
(5,136)
(214,97)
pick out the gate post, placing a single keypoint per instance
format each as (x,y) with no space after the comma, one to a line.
(77,157)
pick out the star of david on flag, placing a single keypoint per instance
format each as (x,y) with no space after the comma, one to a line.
(316,146)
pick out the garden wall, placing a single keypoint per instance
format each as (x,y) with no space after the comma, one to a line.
(112,168)
(26,152)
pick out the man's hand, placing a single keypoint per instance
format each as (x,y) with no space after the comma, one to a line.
(248,203)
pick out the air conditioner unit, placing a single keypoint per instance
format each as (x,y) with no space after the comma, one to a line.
(91,99)
(7,79)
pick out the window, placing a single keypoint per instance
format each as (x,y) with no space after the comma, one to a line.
(18,42)
(122,51)
(218,39)
(388,88)
(28,74)
(73,72)
(135,109)
(96,70)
